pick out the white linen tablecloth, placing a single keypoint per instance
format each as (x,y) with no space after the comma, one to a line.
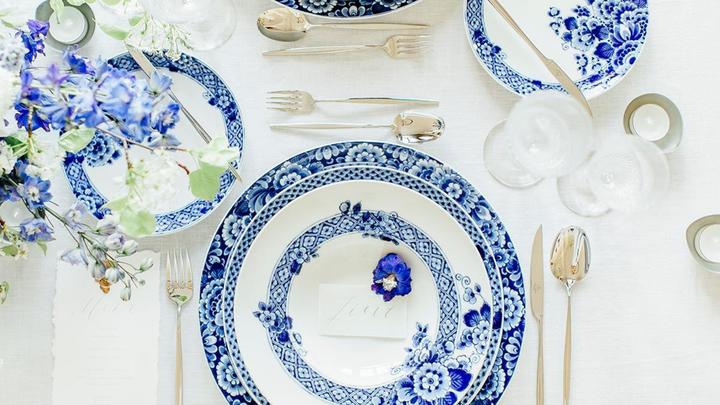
(646,320)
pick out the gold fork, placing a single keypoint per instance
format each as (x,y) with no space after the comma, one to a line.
(398,46)
(180,290)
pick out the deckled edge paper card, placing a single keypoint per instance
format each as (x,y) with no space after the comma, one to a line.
(354,310)
(106,350)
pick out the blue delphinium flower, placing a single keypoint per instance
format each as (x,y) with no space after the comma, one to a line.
(159,83)
(165,119)
(35,191)
(391,277)
(33,39)
(77,64)
(35,230)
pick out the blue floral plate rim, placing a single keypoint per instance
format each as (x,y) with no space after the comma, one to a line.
(210,309)
(335,393)
(349,9)
(194,212)
(517,82)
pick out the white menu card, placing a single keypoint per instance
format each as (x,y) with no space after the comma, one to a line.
(106,350)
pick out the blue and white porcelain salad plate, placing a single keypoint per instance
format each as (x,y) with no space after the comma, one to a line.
(450,309)
(347,8)
(596,42)
(297,174)
(94,173)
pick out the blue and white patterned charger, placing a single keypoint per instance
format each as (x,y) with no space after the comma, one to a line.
(437,176)
(347,8)
(596,42)
(104,150)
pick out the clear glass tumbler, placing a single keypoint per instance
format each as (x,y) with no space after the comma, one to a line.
(547,134)
(208,23)
(626,174)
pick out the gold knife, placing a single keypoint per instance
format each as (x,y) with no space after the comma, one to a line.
(148,68)
(565,81)
(537,304)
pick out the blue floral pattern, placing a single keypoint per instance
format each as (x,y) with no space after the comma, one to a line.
(103,150)
(501,364)
(346,8)
(608,35)
(386,226)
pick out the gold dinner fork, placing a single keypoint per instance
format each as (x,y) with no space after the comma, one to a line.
(398,46)
(180,290)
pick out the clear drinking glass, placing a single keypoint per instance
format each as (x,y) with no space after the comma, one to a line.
(209,23)
(626,174)
(547,134)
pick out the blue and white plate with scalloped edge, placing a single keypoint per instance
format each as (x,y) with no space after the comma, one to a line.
(354,9)
(274,307)
(417,164)
(96,173)
(596,42)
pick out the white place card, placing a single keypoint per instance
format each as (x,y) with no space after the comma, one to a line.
(106,350)
(355,310)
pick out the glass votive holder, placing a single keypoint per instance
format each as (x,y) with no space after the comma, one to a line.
(75,26)
(703,238)
(655,118)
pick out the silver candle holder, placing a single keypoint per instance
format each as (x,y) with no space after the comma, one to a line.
(75,26)
(703,239)
(655,118)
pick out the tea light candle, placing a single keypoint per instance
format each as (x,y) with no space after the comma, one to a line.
(650,122)
(69,28)
(708,243)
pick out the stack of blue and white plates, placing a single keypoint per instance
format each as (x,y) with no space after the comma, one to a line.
(320,222)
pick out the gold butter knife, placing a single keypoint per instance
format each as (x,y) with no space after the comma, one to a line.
(537,306)
(565,81)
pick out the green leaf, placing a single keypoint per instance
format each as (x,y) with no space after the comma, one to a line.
(137,223)
(216,153)
(135,20)
(57,6)
(42,246)
(113,31)
(74,140)
(78,2)
(205,181)
(12,141)
(117,205)
(10,250)
(111,2)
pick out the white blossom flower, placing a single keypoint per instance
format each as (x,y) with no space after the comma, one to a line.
(115,241)
(46,158)
(7,158)
(107,226)
(157,184)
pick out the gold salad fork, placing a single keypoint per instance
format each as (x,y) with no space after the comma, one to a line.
(398,46)
(180,290)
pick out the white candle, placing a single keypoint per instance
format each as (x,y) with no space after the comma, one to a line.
(708,243)
(651,122)
(70,27)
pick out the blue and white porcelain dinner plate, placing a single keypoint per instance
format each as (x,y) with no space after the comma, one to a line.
(292,174)
(450,312)
(347,8)
(95,172)
(596,42)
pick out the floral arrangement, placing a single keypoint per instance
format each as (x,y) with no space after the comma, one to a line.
(391,277)
(62,108)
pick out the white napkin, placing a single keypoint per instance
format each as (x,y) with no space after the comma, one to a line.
(106,350)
